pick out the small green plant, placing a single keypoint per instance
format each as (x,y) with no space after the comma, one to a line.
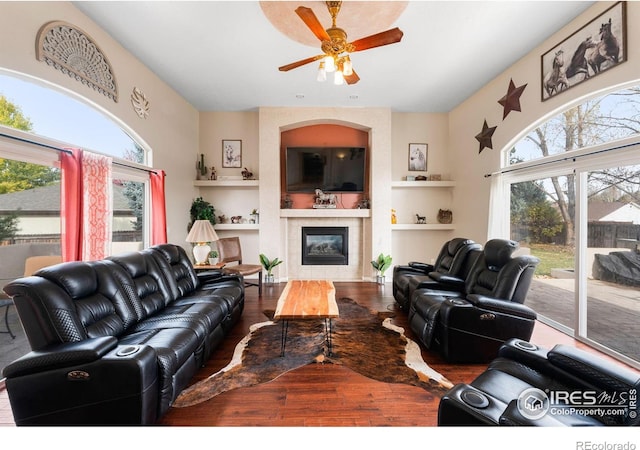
(269,264)
(213,254)
(202,210)
(382,263)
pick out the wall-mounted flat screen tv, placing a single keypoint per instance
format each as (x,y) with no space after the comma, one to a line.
(337,169)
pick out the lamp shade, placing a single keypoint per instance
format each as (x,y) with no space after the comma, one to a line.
(201,232)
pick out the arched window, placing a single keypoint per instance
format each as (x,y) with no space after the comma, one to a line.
(573,187)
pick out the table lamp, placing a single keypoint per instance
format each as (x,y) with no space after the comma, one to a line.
(201,234)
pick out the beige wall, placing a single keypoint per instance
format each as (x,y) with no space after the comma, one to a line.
(171,130)
(472,196)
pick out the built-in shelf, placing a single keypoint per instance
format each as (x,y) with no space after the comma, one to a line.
(422,227)
(227,183)
(236,226)
(322,213)
(423,184)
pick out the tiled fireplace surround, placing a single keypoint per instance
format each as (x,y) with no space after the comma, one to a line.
(281,229)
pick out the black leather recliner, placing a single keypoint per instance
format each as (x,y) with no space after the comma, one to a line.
(470,325)
(529,385)
(448,271)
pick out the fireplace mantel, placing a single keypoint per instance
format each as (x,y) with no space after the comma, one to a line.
(322,213)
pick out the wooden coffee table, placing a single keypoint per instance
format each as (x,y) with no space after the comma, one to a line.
(307,299)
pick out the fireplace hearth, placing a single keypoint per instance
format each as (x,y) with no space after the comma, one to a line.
(325,246)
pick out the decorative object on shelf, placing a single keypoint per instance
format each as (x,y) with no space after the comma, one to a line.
(269,266)
(435,177)
(202,209)
(511,100)
(140,103)
(364,203)
(255,216)
(236,219)
(421,219)
(202,168)
(287,203)
(324,200)
(381,264)
(394,218)
(484,137)
(222,219)
(418,157)
(445,216)
(213,257)
(231,153)
(247,174)
(214,175)
(201,234)
(70,50)
(421,178)
(410,178)
(608,50)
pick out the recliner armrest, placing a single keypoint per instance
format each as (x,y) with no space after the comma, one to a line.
(501,306)
(61,355)
(446,281)
(424,267)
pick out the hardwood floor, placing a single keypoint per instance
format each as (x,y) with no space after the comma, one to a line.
(320,394)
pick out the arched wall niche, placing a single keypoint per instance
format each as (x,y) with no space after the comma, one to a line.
(324,134)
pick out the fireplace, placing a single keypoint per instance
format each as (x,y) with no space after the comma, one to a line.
(325,246)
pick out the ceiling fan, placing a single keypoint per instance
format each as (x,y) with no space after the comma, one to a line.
(336,48)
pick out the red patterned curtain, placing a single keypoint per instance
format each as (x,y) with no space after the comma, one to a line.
(158,208)
(86,205)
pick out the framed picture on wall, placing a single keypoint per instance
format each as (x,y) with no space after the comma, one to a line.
(418,157)
(231,153)
(594,48)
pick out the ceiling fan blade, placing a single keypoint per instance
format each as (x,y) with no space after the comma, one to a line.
(309,18)
(302,62)
(352,79)
(377,40)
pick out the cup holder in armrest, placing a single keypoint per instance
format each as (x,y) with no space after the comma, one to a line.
(458,302)
(524,345)
(128,350)
(474,398)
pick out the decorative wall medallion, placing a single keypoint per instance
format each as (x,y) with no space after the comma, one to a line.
(484,137)
(140,103)
(73,52)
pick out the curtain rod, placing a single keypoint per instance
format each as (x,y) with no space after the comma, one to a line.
(566,158)
(65,150)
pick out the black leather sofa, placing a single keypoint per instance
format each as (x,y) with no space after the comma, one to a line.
(448,271)
(115,341)
(530,386)
(471,325)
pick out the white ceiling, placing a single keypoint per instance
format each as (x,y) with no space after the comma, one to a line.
(224,55)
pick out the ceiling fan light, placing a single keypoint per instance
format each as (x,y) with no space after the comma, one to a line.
(329,64)
(322,73)
(347,68)
(338,78)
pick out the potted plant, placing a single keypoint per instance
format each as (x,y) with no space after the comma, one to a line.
(202,210)
(255,216)
(381,265)
(268,266)
(213,257)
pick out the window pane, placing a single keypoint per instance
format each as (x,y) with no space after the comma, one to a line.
(29,227)
(128,216)
(603,119)
(542,220)
(613,295)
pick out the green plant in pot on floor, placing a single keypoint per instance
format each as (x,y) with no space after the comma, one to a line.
(381,264)
(269,266)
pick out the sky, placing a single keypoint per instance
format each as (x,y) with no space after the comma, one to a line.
(58,116)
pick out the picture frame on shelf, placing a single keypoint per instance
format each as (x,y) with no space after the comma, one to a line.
(418,157)
(231,153)
(596,47)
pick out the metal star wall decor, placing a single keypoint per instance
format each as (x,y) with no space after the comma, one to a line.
(511,101)
(484,137)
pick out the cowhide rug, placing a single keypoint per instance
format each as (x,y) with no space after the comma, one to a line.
(363,340)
